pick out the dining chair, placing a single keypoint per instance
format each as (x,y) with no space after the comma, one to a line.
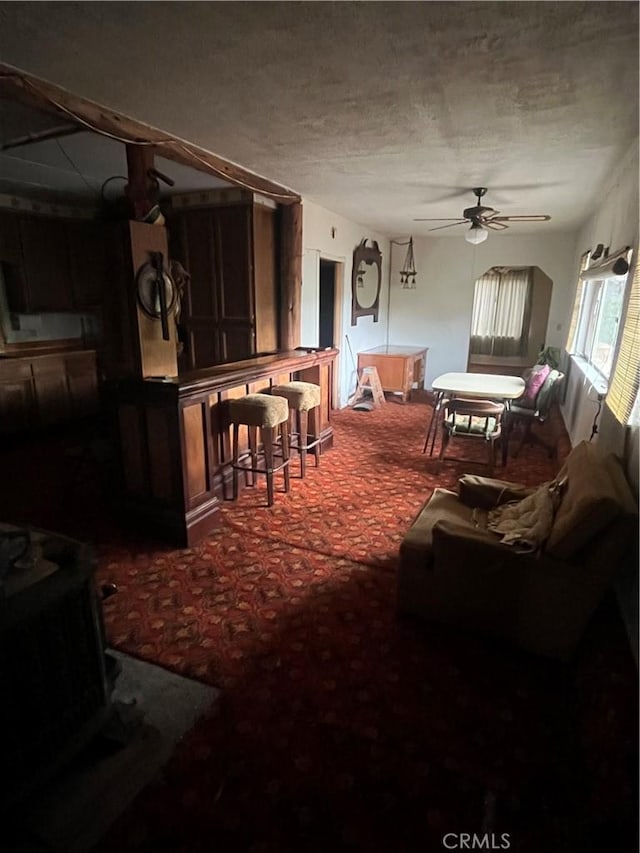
(523,414)
(480,420)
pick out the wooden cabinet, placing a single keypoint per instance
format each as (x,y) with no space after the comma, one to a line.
(82,384)
(17,398)
(52,264)
(52,396)
(87,248)
(47,274)
(10,251)
(47,390)
(230,310)
(398,367)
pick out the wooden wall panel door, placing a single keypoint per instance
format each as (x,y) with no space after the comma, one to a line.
(162,467)
(233,234)
(236,341)
(265,281)
(46,264)
(229,252)
(203,343)
(194,430)
(198,254)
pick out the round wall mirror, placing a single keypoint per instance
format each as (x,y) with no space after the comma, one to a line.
(366,279)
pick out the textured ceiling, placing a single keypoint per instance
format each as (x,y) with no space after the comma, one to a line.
(379,111)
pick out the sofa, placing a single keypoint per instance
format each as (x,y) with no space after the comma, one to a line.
(454,569)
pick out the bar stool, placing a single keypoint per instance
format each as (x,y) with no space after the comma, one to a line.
(302,397)
(266,413)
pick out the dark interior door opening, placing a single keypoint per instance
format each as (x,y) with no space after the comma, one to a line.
(327,303)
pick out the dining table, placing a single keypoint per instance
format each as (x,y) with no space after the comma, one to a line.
(485,386)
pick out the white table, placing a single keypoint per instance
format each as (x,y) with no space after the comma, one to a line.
(485,386)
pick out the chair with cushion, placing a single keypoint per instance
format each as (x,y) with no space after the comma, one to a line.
(265,413)
(471,419)
(302,397)
(540,590)
(542,387)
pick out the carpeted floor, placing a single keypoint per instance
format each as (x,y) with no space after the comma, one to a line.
(342,727)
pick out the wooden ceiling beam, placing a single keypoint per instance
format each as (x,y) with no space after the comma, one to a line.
(41,136)
(42,95)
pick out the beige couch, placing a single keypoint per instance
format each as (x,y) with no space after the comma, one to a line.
(454,570)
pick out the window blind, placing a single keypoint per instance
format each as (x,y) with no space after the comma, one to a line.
(623,389)
(575,314)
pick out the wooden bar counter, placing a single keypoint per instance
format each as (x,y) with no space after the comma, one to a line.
(175,438)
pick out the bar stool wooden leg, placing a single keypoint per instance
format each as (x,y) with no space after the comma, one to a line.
(253,449)
(304,428)
(284,442)
(267,446)
(236,453)
(315,434)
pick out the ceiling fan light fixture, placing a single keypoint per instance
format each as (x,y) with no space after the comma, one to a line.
(476,234)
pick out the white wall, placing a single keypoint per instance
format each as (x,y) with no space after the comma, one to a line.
(319,241)
(437,314)
(615,224)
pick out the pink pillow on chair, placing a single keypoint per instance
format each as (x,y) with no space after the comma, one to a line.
(534,380)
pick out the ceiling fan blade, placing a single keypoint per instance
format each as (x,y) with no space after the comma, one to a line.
(491,215)
(440,219)
(541,217)
(493,225)
(451,225)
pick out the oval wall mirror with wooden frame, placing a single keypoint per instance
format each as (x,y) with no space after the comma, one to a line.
(366,279)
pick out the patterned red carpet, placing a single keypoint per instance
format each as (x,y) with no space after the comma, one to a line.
(342,727)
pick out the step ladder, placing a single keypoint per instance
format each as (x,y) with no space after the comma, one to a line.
(369,393)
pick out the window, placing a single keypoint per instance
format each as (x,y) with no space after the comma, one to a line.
(501,309)
(573,325)
(596,318)
(598,323)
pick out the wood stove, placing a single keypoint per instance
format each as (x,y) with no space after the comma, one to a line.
(54,687)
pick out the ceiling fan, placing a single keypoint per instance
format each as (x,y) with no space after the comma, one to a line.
(482,218)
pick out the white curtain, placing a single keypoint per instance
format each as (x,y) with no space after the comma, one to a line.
(501,307)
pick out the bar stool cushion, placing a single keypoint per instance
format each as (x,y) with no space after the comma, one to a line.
(302,396)
(259,410)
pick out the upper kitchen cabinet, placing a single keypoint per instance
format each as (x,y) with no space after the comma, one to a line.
(229,307)
(52,264)
(10,252)
(46,268)
(87,247)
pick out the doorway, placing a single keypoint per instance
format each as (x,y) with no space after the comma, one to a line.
(327,304)
(330,294)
